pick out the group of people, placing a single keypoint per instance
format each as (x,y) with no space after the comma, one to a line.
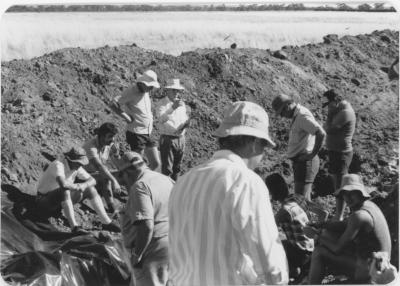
(214,225)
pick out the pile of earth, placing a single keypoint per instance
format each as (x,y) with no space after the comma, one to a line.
(56,100)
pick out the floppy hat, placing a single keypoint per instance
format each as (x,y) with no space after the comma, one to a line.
(352,182)
(77,154)
(245,118)
(149,78)
(279,102)
(130,159)
(175,84)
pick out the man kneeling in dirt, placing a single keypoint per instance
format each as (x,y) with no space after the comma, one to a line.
(346,247)
(145,220)
(57,188)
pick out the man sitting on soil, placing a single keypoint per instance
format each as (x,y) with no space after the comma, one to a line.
(347,246)
(340,126)
(100,151)
(292,217)
(305,140)
(145,220)
(57,188)
(173,120)
(134,105)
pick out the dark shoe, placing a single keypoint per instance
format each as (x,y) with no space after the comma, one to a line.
(112,226)
(78,230)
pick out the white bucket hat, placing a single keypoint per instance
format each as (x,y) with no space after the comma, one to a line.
(149,78)
(175,84)
(245,118)
(352,182)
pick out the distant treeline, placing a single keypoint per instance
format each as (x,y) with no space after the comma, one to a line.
(377,7)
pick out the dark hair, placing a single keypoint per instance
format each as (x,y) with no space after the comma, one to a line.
(106,128)
(333,95)
(277,187)
(235,142)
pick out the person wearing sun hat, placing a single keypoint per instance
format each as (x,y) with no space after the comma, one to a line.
(145,220)
(306,137)
(65,183)
(173,120)
(222,229)
(134,105)
(366,228)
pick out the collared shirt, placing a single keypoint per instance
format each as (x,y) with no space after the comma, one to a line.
(220,219)
(93,150)
(292,217)
(138,106)
(59,168)
(344,119)
(148,199)
(302,130)
(170,120)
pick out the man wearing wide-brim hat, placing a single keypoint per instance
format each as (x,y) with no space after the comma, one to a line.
(366,228)
(173,120)
(222,229)
(306,137)
(134,105)
(65,183)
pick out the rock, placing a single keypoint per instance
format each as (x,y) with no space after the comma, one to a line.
(329,39)
(385,38)
(46,96)
(280,55)
(153,63)
(233,46)
(355,81)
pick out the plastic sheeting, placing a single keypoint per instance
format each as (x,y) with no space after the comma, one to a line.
(35,253)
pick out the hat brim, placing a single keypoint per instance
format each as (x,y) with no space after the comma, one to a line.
(224,131)
(177,87)
(354,187)
(154,84)
(83,161)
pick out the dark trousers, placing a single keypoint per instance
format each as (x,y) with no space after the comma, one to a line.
(171,151)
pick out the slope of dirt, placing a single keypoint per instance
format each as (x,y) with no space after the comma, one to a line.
(53,101)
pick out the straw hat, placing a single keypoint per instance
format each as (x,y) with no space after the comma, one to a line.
(175,84)
(352,182)
(149,78)
(77,154)
(245,118)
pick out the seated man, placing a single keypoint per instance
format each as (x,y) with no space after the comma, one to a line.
(366,228)
(57,188)
(100,151)
(292,217)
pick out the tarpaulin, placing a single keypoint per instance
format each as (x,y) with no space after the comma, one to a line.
(34,252)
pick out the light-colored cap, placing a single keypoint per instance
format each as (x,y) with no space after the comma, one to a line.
(352,182)
(245,118)
(175,84)
(130,159)
(149,78)
(77,154)
(279,102)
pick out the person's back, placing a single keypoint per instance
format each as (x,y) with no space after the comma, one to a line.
(206,213)
(375,238)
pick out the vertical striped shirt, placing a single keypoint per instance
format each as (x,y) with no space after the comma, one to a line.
(220,219)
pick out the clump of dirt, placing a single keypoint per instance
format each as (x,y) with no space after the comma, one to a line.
(53,101)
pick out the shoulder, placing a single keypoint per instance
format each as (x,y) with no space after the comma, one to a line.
(361,217)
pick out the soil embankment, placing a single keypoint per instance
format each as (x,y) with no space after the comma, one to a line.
(55,100)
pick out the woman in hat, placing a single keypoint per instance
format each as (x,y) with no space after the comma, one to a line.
(347,246)
(101,151)
(65,183)
(173,121)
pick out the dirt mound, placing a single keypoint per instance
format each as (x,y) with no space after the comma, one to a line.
(55,100)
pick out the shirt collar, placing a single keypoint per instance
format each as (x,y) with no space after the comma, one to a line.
(229,155)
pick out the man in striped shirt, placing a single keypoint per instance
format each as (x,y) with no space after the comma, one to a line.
(222,228)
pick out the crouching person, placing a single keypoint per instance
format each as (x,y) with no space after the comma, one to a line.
(366,228)
(65,183)
(145,220)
